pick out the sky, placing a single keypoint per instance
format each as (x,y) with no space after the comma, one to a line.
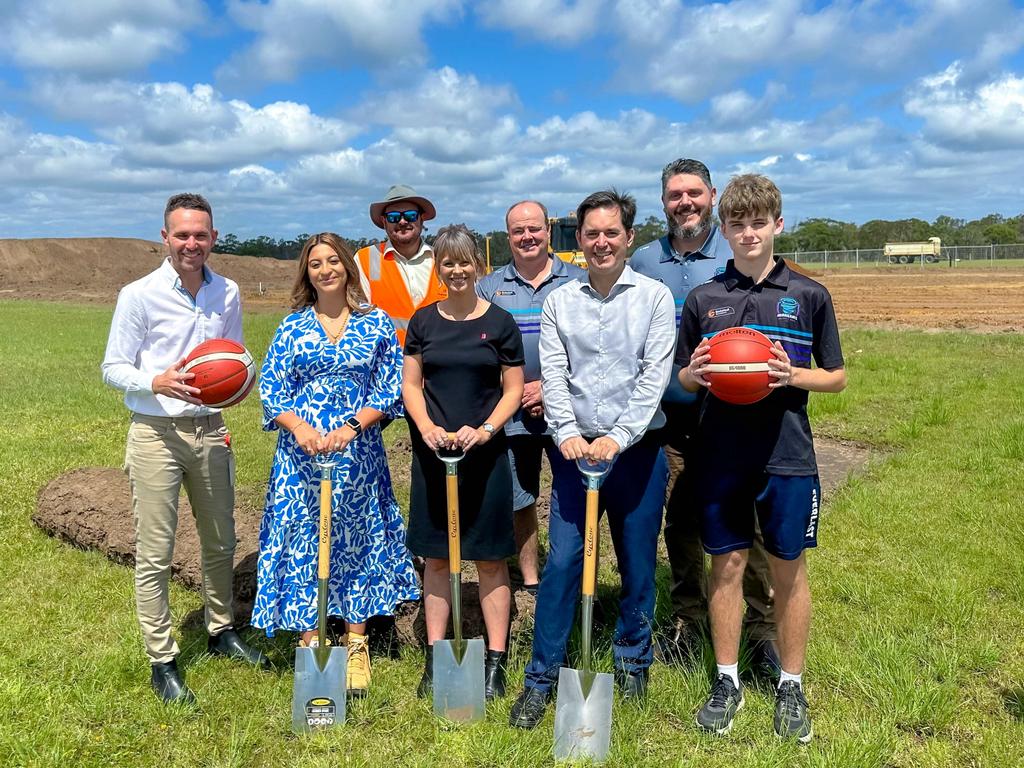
(292,116)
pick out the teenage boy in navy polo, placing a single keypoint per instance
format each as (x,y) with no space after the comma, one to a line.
(772,466)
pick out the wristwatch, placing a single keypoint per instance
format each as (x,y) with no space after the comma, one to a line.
(487,427)
(353,424)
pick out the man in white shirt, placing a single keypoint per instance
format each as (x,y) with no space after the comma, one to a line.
(173,438)
(606,346)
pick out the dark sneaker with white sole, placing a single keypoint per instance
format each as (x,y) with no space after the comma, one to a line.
(791,718)
(723,703)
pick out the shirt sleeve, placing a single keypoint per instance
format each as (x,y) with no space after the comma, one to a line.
(689,332)
(128,329)
(233,314)
(278,385)
(654,369)
(385,392)
(554,374)
(826,349)
(510,344)
(414,335)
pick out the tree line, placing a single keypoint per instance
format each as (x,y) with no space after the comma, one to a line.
(810,235)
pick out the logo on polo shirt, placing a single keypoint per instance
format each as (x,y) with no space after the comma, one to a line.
(719,270)
(787,308)
(504,293)
(721,312)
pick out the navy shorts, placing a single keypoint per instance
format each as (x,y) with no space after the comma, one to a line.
(524,452)
(786,506)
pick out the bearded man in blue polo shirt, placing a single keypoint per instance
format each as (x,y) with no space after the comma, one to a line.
(693,252)
(771,476)
(520,288)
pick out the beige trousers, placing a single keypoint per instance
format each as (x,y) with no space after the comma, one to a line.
(162,454)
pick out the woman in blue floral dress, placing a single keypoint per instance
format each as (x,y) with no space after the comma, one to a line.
(333,370)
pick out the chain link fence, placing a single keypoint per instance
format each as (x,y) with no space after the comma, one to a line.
(975,256)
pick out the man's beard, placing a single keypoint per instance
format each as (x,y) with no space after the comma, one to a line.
(680,232)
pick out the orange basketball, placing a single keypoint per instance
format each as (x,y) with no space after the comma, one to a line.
(739,366)
(224,372)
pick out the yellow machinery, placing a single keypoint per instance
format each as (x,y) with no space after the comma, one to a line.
(563,240)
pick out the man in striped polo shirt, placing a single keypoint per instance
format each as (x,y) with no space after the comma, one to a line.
(521,287)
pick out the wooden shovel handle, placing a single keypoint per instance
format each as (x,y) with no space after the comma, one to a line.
(590,544)
(323,568)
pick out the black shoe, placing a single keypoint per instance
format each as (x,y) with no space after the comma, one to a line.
(721,707)
(494,675)
(632,684)
(426,686)
(169,686)
(229,644)
(791,718)
(529,708)
(681,643)
(764,661)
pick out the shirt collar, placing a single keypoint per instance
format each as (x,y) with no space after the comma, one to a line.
(778,276)
(628,277)
(557,270)
(172,276)
(668,253)
(389,250)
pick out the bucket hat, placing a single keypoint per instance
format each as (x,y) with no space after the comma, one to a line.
(398,193)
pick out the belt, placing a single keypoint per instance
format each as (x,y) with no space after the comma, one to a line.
(184,423)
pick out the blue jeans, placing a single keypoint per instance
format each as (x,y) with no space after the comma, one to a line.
(632,494)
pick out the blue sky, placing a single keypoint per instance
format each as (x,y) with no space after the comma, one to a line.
(293,115)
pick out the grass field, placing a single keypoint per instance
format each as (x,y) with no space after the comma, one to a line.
(916,656)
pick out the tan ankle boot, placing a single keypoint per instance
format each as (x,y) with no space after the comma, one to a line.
(358,665)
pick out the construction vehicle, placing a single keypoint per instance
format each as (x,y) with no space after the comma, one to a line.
(908,253)
(563,240)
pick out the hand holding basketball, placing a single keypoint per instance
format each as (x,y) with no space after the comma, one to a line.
(697,368)
(223,370)
(174,383)
(781,368)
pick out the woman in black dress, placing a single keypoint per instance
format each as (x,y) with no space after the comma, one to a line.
(463,374)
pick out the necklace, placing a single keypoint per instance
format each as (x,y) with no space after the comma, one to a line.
(333,327)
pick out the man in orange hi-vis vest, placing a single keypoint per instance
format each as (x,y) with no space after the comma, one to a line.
(397,274)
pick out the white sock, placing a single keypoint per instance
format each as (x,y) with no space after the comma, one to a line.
(787,676)
(732,671)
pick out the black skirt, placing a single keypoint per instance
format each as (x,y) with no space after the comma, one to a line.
(485,502)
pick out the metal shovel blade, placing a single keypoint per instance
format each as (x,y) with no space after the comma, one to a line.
(583,721)
(318,698)
(459,682)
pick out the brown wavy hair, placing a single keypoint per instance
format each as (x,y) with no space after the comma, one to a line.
(303,292)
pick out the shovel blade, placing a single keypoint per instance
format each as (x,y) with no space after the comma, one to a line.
(459,686)
(318,698)
(583,722)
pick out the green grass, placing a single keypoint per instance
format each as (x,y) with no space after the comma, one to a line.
(916,655)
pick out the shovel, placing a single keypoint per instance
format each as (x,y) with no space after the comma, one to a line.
(318,699)
(458,663)
(583,711)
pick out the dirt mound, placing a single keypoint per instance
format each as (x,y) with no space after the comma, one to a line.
(93,269)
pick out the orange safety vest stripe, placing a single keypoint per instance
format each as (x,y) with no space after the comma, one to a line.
(388,290)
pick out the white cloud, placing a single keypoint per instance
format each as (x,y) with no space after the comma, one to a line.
(98,38)
(294,34)
(737,106)
(168,124)
(560,21)
(989,116)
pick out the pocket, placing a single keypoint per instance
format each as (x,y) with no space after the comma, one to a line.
(144,432)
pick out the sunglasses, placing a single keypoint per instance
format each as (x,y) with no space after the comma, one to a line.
(396,216)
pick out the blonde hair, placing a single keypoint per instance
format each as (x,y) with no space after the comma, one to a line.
(748,194)
(303,292)
(457,243)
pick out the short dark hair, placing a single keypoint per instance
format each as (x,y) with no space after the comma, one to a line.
(539,204)
(749,195)
(190,201)
(687,166)
(608,198)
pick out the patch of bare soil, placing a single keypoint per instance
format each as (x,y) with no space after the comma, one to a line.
(90,508)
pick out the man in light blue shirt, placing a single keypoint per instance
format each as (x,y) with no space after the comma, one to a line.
(521,287)
(606,347)
(693,252)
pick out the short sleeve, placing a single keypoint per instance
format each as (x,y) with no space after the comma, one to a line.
(414,334)
(689,331)
(827,350)
(510,344)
